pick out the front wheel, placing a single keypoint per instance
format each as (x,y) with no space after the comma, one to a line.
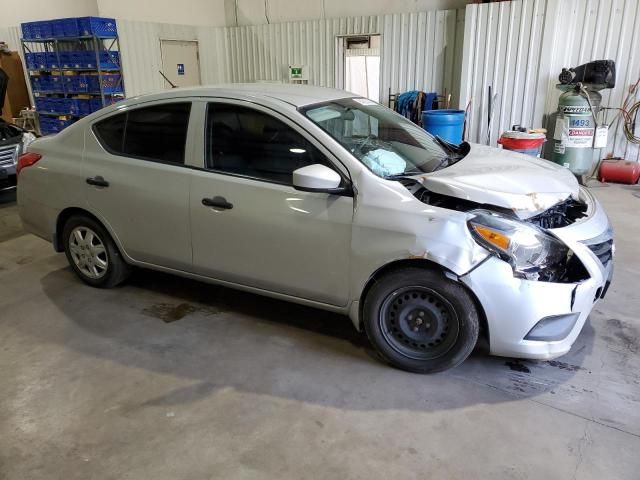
(92,253)
(421,321)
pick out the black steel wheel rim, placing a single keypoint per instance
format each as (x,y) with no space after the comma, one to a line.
(419,323)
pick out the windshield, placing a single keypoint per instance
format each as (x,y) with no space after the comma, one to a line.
(387,143)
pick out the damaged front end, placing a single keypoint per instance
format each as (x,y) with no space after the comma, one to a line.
(526,244)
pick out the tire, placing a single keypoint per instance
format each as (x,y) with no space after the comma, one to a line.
(92,253)
(420,321)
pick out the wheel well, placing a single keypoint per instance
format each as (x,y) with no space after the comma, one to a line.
(421,263)
(65,215)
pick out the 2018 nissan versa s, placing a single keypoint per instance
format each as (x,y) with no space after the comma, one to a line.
(322,198)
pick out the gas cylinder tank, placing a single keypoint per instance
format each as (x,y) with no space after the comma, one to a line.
(574,130)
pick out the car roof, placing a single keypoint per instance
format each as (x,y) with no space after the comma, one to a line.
(296,95)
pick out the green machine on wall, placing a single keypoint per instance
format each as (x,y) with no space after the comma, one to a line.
(577,131)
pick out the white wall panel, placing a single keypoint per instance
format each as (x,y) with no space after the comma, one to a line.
(14,13)
(140,51)
(418,50)
(520,47)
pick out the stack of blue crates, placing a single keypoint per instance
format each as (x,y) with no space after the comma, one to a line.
(61,99)
(72,60)
(70,28)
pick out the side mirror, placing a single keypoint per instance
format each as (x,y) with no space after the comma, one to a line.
(317,178)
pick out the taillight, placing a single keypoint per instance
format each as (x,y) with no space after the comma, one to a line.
(26,160)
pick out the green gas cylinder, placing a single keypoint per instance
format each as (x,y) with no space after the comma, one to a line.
(574,129)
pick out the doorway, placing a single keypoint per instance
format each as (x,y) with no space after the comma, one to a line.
(180,63)
(359,65)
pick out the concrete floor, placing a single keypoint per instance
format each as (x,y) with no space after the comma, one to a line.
(166,378)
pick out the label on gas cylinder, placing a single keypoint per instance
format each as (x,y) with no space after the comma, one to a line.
(574,109)
(574,132)
(602,137)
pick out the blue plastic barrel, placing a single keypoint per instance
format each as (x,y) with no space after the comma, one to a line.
(447,124)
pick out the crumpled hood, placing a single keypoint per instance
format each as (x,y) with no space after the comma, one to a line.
(502,178)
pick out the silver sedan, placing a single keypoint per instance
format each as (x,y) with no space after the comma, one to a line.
(323,198)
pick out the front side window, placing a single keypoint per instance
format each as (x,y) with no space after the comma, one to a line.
(387,143)
(157,133)
(247,142)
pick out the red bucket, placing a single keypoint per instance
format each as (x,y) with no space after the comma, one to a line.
(527,143)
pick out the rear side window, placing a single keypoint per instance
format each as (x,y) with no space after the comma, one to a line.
(157,133)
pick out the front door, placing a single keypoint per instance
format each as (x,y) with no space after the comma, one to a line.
(250,226)
(137,183)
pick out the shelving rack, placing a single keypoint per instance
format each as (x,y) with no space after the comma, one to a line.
(74,67)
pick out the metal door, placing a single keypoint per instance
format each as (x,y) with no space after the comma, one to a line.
(180,62)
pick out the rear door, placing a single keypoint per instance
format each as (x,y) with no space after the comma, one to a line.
(137,182)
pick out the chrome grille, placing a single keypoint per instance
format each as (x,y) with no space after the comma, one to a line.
(8,155)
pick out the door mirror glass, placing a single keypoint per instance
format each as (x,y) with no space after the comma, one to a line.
(317,178)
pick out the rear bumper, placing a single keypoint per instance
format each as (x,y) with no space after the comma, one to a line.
(513,306)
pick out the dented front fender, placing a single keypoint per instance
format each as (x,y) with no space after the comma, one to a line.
(390,224)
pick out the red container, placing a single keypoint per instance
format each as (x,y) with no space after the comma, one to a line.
(619,171)
(527,143)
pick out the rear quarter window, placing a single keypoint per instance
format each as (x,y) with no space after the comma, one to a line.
(157,133)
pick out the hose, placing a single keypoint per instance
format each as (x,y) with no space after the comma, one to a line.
(630,115)
(630,123)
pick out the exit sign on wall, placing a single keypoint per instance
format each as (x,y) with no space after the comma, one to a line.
(298,72)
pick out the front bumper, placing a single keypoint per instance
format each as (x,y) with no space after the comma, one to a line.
(514,306)
(8,178)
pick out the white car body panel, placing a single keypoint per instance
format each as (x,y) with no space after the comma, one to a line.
(314,248)
(504,179)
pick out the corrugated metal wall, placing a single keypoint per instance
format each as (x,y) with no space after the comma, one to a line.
(520,47)
(419,50)
(141,56)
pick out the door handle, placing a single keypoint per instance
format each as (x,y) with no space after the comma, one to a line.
(97,181)
(217,202)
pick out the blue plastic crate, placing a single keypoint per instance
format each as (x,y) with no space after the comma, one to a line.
(41,104)
(40,60)
(54,105)
(110,83)
(40,83)
(49,125)
(51,60)
(96,104)
(80,106)
(78,59)
(36,30)
(30,60)
(98,26)
(65,59)
(65,27)
(28,32)
(42,29)
(46,125)
(107,59)
(56,83)
(76,83)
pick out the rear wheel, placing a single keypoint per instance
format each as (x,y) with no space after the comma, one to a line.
(421,321)
(92,253)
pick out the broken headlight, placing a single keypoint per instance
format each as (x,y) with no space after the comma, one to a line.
(529,250)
